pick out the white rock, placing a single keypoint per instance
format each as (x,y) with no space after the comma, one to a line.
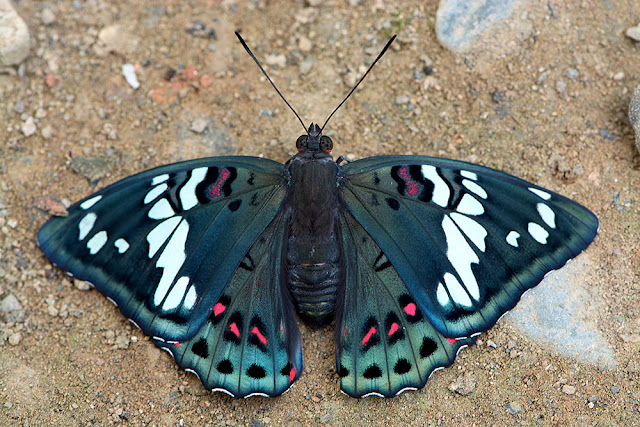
(129,73)
(14,36)
(29,126)
(47,16)
(633,33)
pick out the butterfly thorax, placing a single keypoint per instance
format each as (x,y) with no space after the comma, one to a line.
(313,251)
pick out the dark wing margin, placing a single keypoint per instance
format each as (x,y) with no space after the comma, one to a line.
(384,343)
(467,240)
(250,343)
(163,244)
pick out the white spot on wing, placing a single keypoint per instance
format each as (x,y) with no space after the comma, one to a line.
(542,194)
(456,290)
(97,242)
(176,294)
(546,214)
(188,192)
(154,193)
(88,203)
(442,296)
(440,188)
(461,256)
(161,210)
(86,224)
(470,175)
(512,238)
(470,206)
(171,260)
(538,233)
(122,245)
(160,178)
(160,234)
(474,188)
(474,231)
(190,299)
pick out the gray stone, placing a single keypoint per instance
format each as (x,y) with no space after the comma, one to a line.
(633,33)
(514,408)
(572,73)
(10,303)
(306,65)
(14,36)
(47,16)
(460,22)
(465,384)
(634,114)
(92,168)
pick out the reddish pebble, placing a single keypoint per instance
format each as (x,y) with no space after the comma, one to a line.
(206,80)
(49,80)
(190,73)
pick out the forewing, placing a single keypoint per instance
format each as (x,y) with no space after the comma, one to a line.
(467,240)
(384,342)
(162,244)
(250,343)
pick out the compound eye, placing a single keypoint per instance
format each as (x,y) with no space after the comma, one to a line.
(301,142)
(326,144)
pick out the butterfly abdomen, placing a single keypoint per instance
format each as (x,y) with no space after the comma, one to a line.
(314,270)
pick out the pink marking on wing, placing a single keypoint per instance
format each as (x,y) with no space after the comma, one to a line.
(410,309)
(412,188)
(292,374)
(369,335)
(394,329)
(178,344)
(215,190)
(218,308)
(451,341)
(261,337)
(234,329)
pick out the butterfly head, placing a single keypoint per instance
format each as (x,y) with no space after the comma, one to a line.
(314,140)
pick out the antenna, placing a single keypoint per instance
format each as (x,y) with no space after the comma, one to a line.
(359,81)
(269,78)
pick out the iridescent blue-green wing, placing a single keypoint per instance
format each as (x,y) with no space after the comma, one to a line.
(164,243)
(250,343)
(467,240)
(384,342)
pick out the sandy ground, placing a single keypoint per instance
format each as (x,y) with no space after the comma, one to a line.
(68,357)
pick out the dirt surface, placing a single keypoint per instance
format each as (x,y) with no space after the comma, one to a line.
(68,357)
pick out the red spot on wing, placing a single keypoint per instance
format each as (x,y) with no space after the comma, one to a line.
(216,189)
(292,374)
(451,341)
(410,309)
(178,344)
(218,308)
(394,328)
(412,188)
(369,335)
(261,337)
(234,329)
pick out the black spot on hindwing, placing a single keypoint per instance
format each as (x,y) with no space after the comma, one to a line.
(225,367)
(402,366)
(342,371)
(393,203)
(256,372)
(235,205)
(372,372)
(200,348)
(428,347)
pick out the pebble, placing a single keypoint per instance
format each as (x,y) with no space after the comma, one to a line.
(568,389)
(47,16)
(115,39)
(634,114)
(633,33)
(14,35)
(618,76)
(304,44)
(47,132)
(278,60)
(306,65)
(10,303)
(572,73)
(81,285)
(129,73)
(402,99)
(29,127)
(465,384)
(199,125)
(14,339)
(514,408)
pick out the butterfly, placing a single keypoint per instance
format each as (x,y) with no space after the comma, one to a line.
(410,256)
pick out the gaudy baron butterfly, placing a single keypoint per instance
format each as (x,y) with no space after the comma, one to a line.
(410,256)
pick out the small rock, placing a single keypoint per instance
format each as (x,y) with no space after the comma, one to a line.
(514,408)
(47,132)
(633,33)
(129,73)
(29,127)
(92,168)
(304,44)
(8,405)
(199,125)
(572,73)
(81,285)
(402,99)
(122,342)
(634,114)
(465,384)
(51,206)
(10,303)
(593,398)
(14,339)
(568,389)
(47,16)
(116,38)
(618,76)
(306,65)
(615,389)
(14,36)
(276,60)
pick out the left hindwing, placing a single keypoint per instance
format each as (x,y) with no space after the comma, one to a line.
(466,240)
(163,244)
